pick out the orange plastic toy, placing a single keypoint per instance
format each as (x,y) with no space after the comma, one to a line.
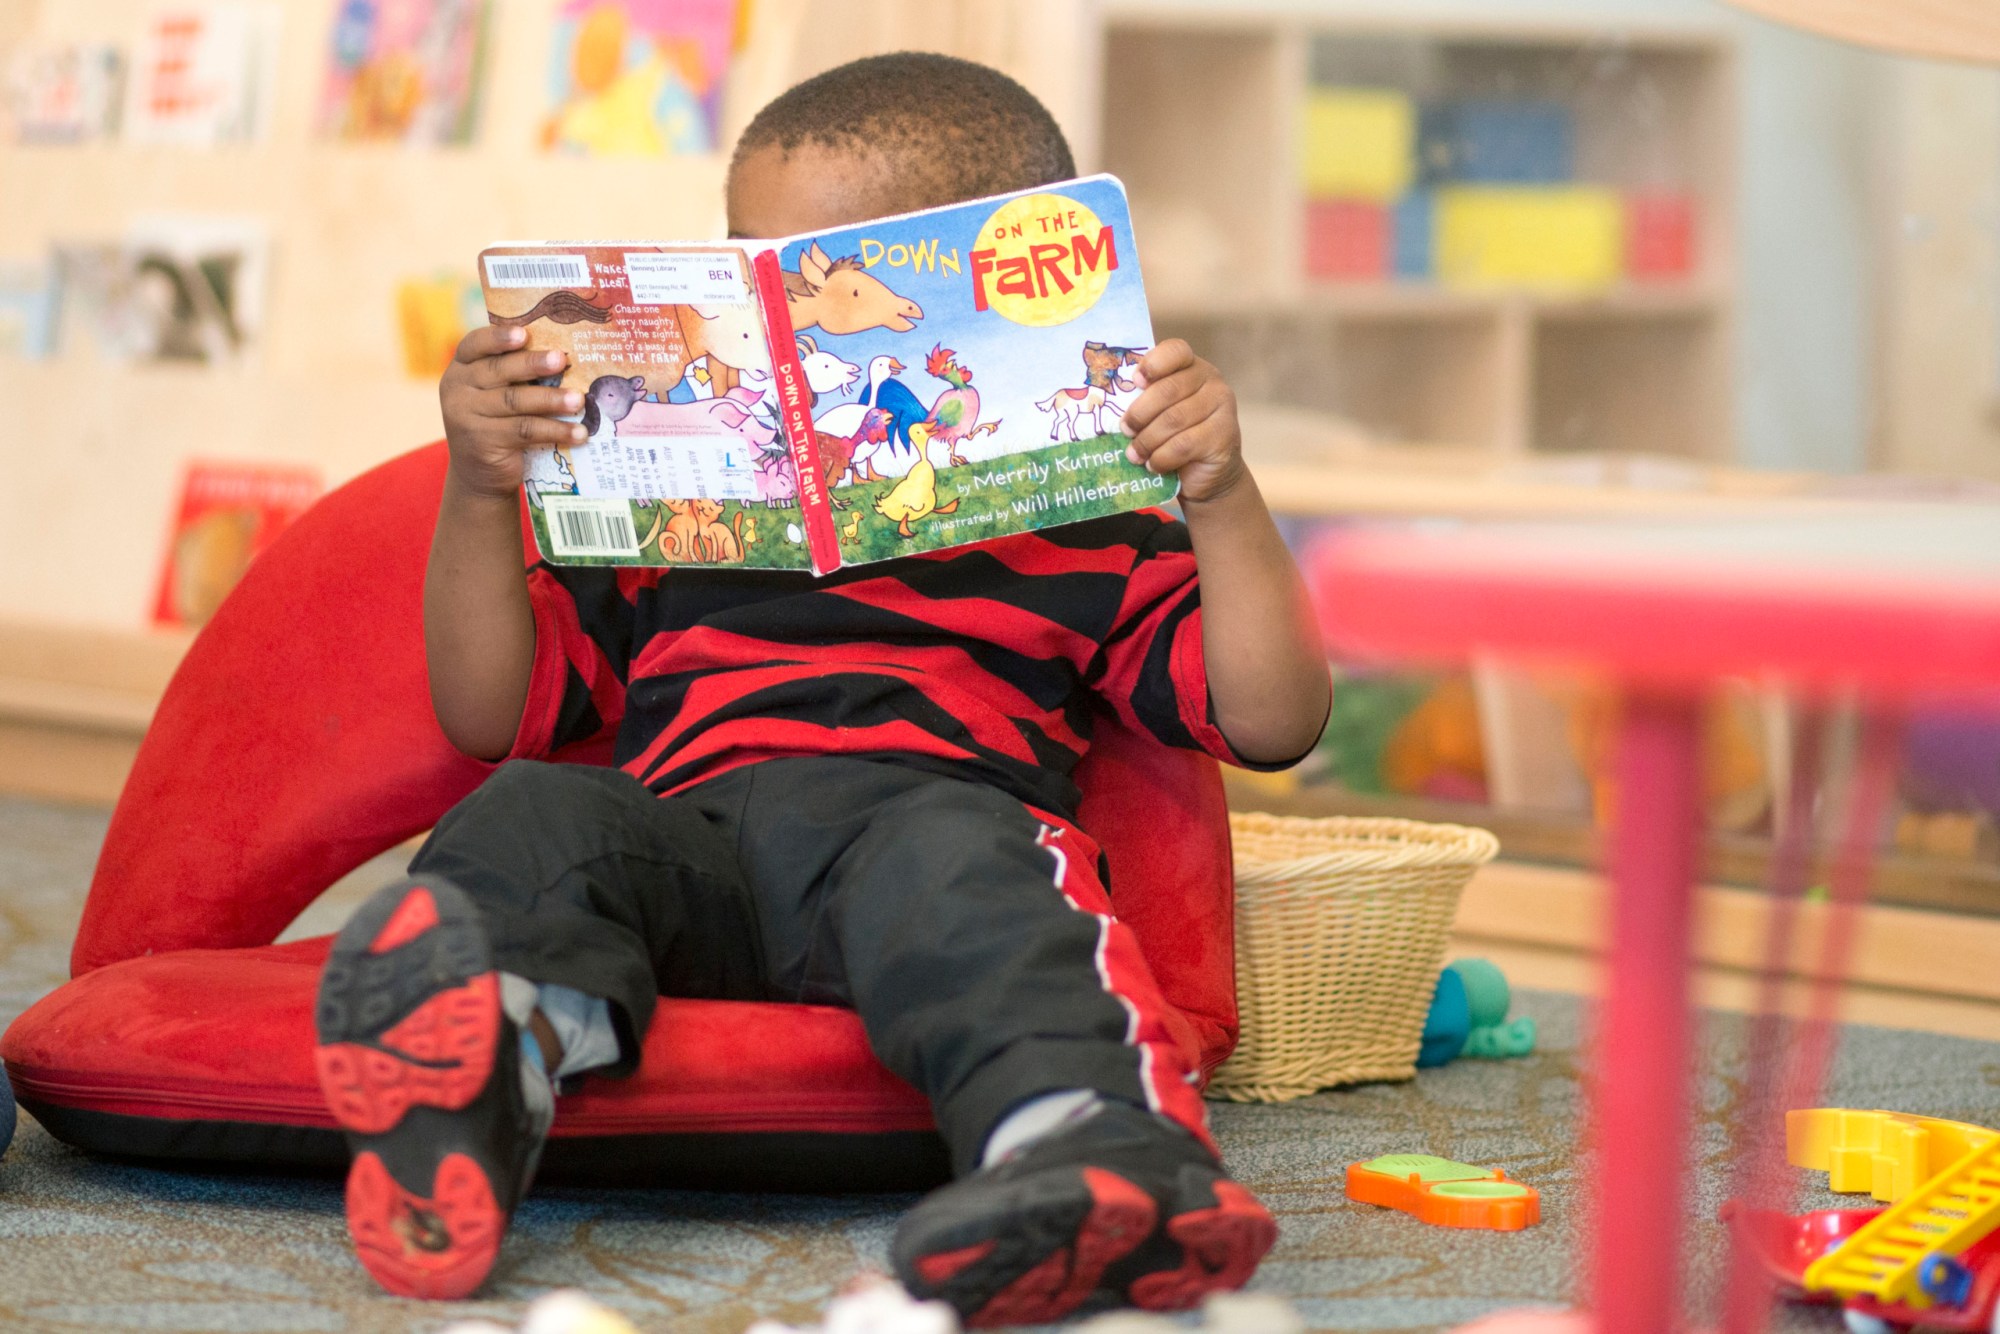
(1444,1193)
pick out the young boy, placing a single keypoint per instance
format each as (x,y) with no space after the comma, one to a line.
(852,790)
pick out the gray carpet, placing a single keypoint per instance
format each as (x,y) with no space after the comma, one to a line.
(90,1245)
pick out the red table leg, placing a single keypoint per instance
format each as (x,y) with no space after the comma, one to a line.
(1642,1057)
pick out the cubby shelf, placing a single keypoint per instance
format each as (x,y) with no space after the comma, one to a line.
(1200,117)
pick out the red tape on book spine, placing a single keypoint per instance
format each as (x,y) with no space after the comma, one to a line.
(789,382)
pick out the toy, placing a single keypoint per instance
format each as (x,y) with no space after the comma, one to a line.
(1886,1154)
(1468,1017)
(564,1311)
(6,1112)
(1221,1313)
(1931,1258)
(1444,1193)
(1787,1247)
(873,1304)
(1449,1023)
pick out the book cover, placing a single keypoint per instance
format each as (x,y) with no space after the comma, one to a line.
(433,314)
(684,462)
(179,288)
(638,77)
(228,513)
(204,75)
(66,93)
(405,71)
(28,305)
(897,386)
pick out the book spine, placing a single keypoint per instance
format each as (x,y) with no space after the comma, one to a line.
(793,398)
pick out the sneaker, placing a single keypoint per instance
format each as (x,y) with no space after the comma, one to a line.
(421,1068)
(1124,1208)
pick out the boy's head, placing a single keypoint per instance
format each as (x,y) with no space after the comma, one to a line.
(889,134)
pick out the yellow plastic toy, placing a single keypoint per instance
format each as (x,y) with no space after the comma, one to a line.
(1941,1180)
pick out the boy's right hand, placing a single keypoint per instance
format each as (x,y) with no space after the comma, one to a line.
(493,409)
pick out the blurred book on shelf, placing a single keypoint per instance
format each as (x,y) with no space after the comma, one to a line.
(639,78)
(204,75)
(227,514)
(432,315)
(405,71)
(184,288)
(29,299)
(61,93)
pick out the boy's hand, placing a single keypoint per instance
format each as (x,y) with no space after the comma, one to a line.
(493,409)
(1185,422)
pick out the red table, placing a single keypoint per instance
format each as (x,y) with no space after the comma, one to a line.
(1889,603)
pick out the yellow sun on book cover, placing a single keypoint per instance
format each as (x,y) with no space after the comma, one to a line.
(1048,255)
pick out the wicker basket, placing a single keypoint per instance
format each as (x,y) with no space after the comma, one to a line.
(1340,932)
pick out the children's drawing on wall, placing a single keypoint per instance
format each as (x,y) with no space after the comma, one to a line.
(638,78)
(404,70)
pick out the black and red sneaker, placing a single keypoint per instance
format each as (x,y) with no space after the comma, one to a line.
(421,1067)
(1124,1208)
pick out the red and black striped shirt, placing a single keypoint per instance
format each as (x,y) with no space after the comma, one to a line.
(985,661)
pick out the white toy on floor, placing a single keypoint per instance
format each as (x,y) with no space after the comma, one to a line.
(565,1311)
(873,1304)
(1222,1313)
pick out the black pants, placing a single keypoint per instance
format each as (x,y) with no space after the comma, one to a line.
(972,935)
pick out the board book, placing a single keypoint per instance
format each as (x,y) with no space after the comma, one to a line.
(897,386)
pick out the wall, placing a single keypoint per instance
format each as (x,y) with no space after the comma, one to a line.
(1940,231)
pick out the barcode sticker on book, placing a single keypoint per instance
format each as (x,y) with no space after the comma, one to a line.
(537,271)
(582,526)
(661,278)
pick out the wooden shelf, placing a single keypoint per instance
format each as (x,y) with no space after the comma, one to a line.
(1217,202)
(74,704)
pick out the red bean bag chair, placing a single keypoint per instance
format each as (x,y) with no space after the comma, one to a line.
(297,741)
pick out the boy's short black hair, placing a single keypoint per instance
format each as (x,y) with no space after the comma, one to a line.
(950,129)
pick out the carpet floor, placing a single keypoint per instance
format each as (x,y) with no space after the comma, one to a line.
(89,1245)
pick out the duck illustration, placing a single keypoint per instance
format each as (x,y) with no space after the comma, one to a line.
(852,532)
(915,497)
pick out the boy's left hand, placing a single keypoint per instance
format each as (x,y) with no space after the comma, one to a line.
(1185,422)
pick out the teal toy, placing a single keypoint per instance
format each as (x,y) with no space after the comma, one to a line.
(1468,1017)
(1448,1026)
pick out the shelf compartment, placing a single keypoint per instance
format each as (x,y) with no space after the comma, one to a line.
(1615,383)
(1426,379)
(1231,225)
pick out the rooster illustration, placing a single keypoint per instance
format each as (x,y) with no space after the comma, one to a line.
(954,416)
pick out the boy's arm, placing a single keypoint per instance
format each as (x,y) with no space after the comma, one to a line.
(479,630)
(1267,672)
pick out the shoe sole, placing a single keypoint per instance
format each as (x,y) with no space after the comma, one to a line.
(1220,1249)
(439,1246)
(1050,1252)
(430,1226)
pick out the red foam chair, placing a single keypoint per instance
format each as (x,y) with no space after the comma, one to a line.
(297,741)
